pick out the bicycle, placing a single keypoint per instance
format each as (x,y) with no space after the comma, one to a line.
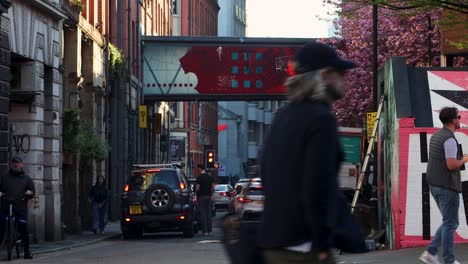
(11,237)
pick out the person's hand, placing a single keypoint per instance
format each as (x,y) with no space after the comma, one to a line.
(100,205)
(28,192)
(465,158)
(1,194)
(322,256)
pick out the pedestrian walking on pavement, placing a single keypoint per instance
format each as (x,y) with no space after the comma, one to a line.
(443,176)
(17,185)
(99,196)
(300,160)
(204,188)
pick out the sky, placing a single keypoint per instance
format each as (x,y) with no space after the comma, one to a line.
(286,18)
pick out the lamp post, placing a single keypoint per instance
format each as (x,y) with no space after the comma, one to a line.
(375,53)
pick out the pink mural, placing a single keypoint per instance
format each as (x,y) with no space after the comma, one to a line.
(416,216)
(414,212)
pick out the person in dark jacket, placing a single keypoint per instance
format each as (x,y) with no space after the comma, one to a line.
(18,187)
(443,176)
(300,160)
(99,196)
(205,188)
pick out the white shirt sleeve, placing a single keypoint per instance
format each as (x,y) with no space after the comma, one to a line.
(451,148)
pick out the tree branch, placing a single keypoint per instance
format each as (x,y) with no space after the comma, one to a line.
(448,3)
(461,8)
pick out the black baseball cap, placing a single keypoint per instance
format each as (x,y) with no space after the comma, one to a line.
(315,55)
(17,159)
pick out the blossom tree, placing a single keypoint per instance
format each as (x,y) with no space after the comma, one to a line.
(398,35)
(409,29)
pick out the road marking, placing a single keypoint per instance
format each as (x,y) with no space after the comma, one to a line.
(360,262)
(209,241)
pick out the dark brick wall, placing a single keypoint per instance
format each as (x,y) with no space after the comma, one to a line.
(4,5)
(5,77)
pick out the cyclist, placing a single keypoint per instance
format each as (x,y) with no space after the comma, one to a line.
(15,185)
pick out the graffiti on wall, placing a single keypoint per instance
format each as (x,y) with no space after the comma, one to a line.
(419,215)
(448,88)
(20,143)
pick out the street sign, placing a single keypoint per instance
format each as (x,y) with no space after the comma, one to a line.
(371,118)
(143,116)
(351,146)
(222,170)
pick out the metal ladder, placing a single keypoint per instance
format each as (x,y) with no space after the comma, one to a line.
(370,147)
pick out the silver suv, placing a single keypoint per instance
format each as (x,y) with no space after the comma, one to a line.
(248,204)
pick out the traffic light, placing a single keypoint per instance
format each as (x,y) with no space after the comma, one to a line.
(209,159)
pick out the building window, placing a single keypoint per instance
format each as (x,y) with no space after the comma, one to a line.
(258,83)
(235,69)
(252,134)
(174,107)
(246,84)
(174,7)
(268,105)
(234,84)
(259,133)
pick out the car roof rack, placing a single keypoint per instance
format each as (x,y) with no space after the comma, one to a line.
(169,165)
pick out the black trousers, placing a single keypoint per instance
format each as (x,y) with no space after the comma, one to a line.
(204,207)
(22,229)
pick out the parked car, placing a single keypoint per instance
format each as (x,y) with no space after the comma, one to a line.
(248,204)
(157,199)
(222,195)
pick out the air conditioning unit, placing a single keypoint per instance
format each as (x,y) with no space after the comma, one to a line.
(29,77)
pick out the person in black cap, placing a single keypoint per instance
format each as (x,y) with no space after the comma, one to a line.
(300,160)
(19,187)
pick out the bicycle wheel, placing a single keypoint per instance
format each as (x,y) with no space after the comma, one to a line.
(18,241)
(10,237)
(19,247)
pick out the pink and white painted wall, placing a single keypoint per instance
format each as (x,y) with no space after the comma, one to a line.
(413,216)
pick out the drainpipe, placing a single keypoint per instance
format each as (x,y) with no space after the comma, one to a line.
(130,117)
(140,98)
(189,17)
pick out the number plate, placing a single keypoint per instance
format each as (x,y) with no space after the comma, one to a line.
(135,209)
(258,202)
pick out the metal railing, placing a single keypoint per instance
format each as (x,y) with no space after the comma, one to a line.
(168,165)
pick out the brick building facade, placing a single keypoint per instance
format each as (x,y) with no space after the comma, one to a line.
(199,18)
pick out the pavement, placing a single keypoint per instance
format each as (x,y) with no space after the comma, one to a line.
(74,241)
(401,256)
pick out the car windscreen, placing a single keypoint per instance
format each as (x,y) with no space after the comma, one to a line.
(141,181)
(255,191)
(221,188)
